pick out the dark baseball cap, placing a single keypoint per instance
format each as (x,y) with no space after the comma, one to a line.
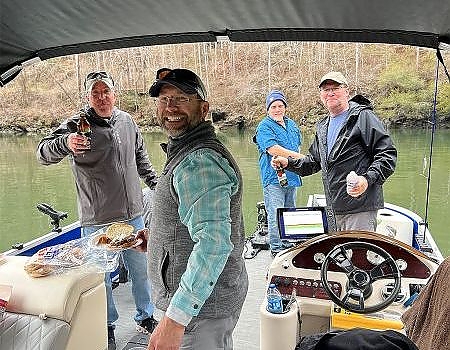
(184,79)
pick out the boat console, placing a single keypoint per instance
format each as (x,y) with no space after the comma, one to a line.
(65,311)
(341,281)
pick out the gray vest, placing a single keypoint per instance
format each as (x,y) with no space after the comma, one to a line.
(170,244)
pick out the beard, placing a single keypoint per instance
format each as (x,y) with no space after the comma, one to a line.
(177,124)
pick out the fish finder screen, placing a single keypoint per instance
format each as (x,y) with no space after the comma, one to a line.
(301,223)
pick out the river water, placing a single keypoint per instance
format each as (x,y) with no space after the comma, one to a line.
(24,183)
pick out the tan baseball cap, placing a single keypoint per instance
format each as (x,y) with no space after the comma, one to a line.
(338,77)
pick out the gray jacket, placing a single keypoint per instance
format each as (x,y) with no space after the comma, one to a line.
(363,145)
(107,176)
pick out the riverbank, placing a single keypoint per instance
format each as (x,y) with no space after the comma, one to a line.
(30,127)
(399,80)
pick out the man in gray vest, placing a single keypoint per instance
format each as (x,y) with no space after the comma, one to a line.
(198,276)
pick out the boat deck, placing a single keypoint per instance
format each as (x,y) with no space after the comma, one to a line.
(246,334)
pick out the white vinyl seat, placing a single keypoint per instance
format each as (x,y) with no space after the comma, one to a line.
(57,312)
(395,225)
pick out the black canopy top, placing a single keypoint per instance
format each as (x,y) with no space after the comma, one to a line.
(51,28)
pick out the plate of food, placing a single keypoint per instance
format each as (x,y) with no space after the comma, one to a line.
(116,237)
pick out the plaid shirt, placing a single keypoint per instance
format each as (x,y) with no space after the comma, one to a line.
(204,182)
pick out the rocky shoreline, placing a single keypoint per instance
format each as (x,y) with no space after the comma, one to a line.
(239,122)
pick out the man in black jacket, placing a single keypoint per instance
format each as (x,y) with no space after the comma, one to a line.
(354,152)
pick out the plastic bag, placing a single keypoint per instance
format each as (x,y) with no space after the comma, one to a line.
(72,254)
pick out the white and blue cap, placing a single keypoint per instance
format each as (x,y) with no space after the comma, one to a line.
(94,77)
(275,95)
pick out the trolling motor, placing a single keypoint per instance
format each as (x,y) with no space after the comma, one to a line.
(55,216)
(260,239)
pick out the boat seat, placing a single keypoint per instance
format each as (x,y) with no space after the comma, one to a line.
(395,225)
(65,311)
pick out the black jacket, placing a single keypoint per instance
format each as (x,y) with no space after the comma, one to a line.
(357,339)
(363,145)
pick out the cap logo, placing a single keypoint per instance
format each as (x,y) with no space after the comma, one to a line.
(163,73)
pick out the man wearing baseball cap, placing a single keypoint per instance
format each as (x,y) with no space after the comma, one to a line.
(354,152)
(108,167)
(196,238)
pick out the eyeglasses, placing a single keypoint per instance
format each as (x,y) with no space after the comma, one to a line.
(100,74)
(176,100)
(331,89)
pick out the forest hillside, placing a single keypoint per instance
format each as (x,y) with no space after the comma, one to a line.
(399,80)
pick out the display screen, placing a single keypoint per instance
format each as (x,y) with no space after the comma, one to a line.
(301,223)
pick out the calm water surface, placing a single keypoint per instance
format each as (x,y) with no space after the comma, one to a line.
(24,183)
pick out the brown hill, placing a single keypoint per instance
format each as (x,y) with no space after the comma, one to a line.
(397,79)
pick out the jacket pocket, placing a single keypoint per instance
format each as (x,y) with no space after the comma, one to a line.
(164,270)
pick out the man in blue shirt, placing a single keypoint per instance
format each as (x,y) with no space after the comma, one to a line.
(277,135)
(196,235)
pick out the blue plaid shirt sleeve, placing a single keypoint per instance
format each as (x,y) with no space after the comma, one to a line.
(204,182)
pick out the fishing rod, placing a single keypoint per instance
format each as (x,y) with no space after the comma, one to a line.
(433,131)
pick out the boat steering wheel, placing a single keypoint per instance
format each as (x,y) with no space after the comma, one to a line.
(359,285)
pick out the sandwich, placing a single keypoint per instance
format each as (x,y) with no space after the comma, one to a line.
(118,235)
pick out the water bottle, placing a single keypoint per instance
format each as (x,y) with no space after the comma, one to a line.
(282,179)
(274,300)
(352,181)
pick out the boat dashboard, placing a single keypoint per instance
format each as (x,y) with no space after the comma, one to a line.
(299,272)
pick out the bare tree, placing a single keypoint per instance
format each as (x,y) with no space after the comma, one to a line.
(269,67)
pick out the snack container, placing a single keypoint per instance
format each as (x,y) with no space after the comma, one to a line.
(78,253)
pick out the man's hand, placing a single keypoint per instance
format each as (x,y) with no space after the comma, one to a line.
(78,144)
(278,161)
(142,234)
(359,188)
(166,336)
